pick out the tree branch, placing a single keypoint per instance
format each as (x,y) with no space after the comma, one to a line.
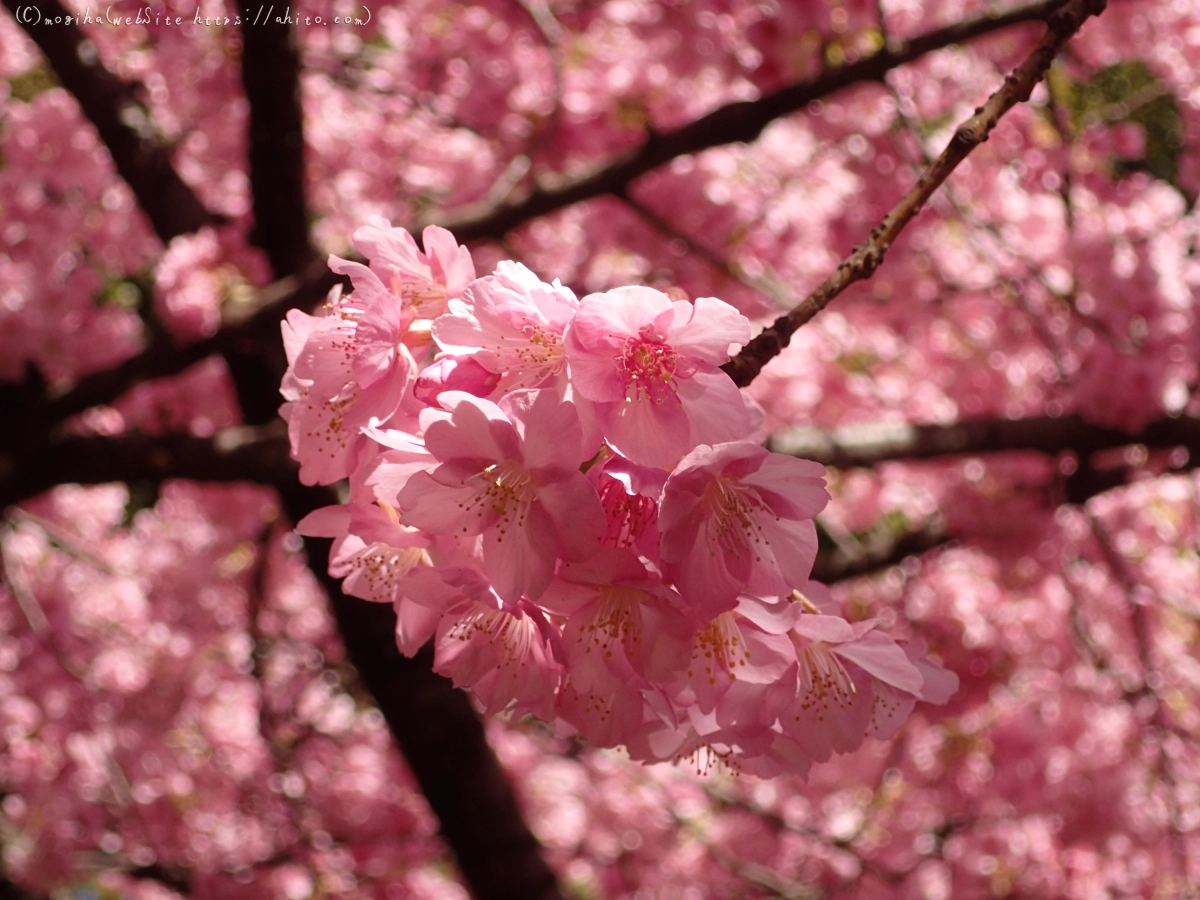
(865,259)
(740,121)
(881,551)
(259,455)
(109,104)
(869,445)
(440,736)
(295,292)
(271,77)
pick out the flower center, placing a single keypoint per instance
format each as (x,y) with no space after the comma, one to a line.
(823,679)
(382,565)
(540,354)
(733,509)
(648,369)
(629,515)
(427,298)
(616,621)
(719,647)
(503,492)
(512,635)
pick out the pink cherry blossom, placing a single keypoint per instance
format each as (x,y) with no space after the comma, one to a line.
(852,680)
(372,551)
(344,370)
(622,623)
(650,365)
(509,472)
(511,323)
(736,517)
(421,282)
(630,494)
(507,656)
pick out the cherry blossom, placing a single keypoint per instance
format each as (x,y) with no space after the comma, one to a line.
(649,363)
(508,473)
(736,517)
(511,324)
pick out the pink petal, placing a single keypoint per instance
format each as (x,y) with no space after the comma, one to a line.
(715,410)
(646,432)
(328,521)
(520,561)
(427,504)
(883,658)
(389,248)
(829,629)
(708,329)
(477,429)
(415,625)
(549,428)
(572,505)
(451,264)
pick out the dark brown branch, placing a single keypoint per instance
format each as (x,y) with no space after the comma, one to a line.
(866,257)
(109,103)
(10,890)
(304,292)
(441,738)
(862,446)
(881,552)
(271,77)
(740,121)
(258,455)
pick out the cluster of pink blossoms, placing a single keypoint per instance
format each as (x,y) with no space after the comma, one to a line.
(561,494)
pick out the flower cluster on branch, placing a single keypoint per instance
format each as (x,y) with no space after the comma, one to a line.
(562,494)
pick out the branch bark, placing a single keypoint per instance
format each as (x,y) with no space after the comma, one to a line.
(865,259)
(107,101)
(881,553)
(739,121)
(440,736)
(159,360)
(271,78)
(869,445)
(259,455)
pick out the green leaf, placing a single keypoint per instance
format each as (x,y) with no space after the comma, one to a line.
(27,85)
(1129,92)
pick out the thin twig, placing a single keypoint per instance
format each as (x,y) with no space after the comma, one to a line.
(862,446)
(865,258)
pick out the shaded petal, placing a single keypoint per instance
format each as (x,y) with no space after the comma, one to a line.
(715,409)
(572,505)
(649,433)
(520,559)
(707,328)
(883,658)
(441,509)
